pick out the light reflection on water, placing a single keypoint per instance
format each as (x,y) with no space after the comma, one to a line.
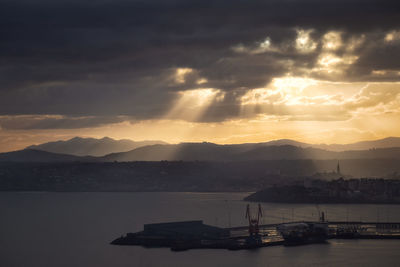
(74,229)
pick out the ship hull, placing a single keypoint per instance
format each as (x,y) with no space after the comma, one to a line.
(304,233)
(297,241)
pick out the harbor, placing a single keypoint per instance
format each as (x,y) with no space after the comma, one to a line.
(88,235)
(185,235)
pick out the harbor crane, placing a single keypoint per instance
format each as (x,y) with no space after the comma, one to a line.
(254,222)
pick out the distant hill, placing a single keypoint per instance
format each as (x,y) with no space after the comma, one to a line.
(91,146)
(364,145)
(282,142)
(31,155)
(214,152)
(183,151)
(207,152)
(101,147)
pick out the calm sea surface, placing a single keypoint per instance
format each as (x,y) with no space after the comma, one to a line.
(74,229)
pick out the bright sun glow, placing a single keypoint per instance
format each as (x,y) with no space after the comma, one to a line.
(332,41)
(191,104)
(198,97)
(392,36)
(290,84)
(180,74)
(281,90)
(331,64)
(329,60)
(304,42)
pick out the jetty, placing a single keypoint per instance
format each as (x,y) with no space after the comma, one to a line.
(196,235)
(186,235)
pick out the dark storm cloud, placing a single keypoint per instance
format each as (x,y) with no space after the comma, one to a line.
(34,122)
(109,58)
(378,55)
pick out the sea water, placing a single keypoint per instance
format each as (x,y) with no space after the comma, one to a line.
(75,229)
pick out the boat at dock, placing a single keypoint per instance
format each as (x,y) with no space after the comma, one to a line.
(180,236)
(303,233)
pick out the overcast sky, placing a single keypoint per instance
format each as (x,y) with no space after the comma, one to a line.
(220,71)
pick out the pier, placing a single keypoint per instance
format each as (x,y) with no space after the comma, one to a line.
(195,235)
(332,224)
(337,229)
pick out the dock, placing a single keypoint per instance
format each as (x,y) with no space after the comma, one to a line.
(195,235)
(365,230)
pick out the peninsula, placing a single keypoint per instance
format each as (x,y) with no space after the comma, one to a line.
(371,191)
